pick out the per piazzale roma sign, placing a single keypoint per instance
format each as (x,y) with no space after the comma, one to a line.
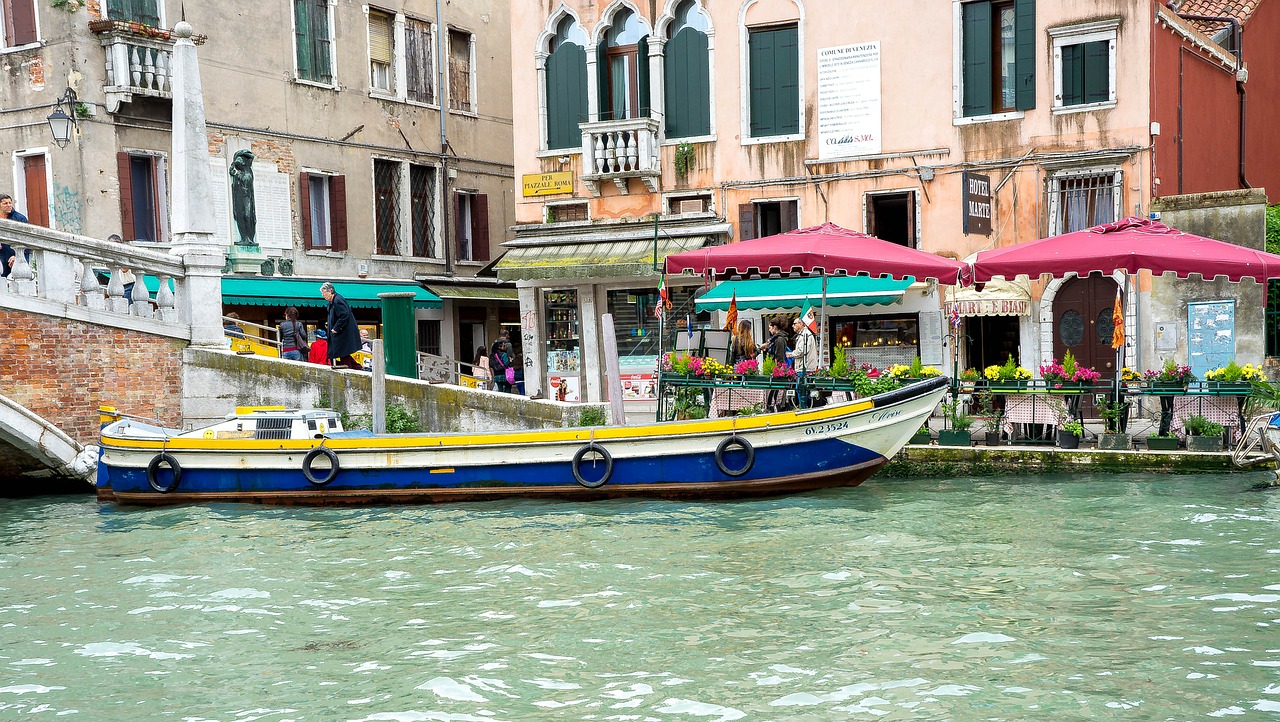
(546,184)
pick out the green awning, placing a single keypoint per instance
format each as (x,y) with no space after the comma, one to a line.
(303,292)
(471,292)
(769,293)
(592,260)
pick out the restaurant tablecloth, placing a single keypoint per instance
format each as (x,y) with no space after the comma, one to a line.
(1032,409)
(1223,410)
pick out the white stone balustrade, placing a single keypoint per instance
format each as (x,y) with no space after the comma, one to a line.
(137,64)
(61,270)
(619,150)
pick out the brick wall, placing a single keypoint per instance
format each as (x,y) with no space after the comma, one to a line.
(62,370)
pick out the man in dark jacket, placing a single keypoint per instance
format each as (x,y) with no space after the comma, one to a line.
(500,360)
(7,212)
(344,333)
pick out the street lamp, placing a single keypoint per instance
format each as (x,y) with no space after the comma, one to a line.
(62,122)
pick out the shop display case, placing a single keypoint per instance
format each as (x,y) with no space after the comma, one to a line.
(564,344)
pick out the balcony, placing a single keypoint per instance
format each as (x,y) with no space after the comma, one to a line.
(139,58)
(619,150)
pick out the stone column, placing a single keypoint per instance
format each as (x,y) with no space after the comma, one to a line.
(592,368)
(192,219)
(532,341)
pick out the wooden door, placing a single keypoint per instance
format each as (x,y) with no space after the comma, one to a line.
(1082,322)
(33,173)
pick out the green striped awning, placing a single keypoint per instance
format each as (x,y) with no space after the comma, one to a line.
(769,293)
(303,292)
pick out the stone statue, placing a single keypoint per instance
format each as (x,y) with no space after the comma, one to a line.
(243,208)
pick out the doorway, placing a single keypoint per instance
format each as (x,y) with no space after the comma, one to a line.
(1082,322)
(992,339)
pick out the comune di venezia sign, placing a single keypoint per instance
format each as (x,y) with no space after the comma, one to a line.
(546,184)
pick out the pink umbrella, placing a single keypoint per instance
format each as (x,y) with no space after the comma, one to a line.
(828,249)
(1130,245)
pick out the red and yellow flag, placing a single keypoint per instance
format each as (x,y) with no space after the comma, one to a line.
(731,318)
(1117,318)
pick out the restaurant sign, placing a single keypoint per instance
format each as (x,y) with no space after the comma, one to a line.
(977,203)
(547,184)
(991,307)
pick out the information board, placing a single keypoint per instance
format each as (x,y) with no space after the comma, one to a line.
(849,101)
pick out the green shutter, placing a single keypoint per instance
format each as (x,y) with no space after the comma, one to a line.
(602,82)
(1097,71)
(1024,54)
(642,77)
(321,40)
(976,56)
(302,38)
(774,57)
(566,96)
(1072,75)
(688,84)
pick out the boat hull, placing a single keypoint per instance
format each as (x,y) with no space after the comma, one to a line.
(710,459)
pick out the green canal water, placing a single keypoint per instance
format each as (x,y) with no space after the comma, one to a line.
(1085,597)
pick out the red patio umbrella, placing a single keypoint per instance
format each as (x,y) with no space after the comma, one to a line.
(828,249)
(1130,245)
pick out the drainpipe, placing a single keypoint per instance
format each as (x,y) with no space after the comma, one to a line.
(441,32)
(1237,36)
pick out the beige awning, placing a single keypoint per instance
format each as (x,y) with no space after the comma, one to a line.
(471,292)
(593,259)
(997,298)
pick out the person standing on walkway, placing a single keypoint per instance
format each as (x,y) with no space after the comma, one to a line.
(9,213)
(500,360)
(806,358)
(344,334)
(293,336)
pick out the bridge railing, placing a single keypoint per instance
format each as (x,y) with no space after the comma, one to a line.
(64,268)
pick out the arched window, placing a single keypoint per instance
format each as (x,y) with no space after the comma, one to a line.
(623,68)
(566,85)
(687,71)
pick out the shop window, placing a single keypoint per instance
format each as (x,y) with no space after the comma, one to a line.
(429,337)
(687,70)
(997,56)
(313,40)
(324,211)
(1083,199)
(767,218)
(144,208)
(566,75)
(773,62)
(18,18)
(878,340)
(892,217)
(623,69)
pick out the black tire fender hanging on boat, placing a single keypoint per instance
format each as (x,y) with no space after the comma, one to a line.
(577,465)
(311,457)
(153,472)
(728,445)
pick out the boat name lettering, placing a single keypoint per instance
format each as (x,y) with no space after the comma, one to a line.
(826,428)
(886,415)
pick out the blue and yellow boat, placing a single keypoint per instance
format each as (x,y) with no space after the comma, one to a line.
(283,456)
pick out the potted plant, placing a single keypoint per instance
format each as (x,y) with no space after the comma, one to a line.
(968,380)
(1172,378)
(991,415)
(922,436)
(1069,435)
(1203,434)
(914,372)
(1233,378)
(1115,417)
(1162,442)
(1007,376)
(960,422)
(1068,376)
(1132,380)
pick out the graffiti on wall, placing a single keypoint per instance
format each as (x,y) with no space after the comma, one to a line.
(66,209)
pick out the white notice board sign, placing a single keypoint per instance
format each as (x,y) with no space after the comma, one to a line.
(849,101)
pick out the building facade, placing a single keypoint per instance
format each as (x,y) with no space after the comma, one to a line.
(951,127)
(378,139)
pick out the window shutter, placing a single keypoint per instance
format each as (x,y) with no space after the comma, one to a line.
(789,215)
(1024,54)
(22,22)
(761,70)
(321,42)
(911,220)
(566,96)
(688,92)
(602,82)
(746,221)
(1097,71)
(642,77)
(1072,75)
(125,171)
(480,227)
(33,171)
(302,37)
(457,227)
(976,56)
(420,76)
(304,203)
(787,56)
(338,211)
(380,37)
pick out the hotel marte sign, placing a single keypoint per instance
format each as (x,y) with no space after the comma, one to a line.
(977,203)
(546,184)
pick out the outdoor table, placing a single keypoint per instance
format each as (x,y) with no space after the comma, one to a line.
(728,399)
(1218,408)
(1032,408)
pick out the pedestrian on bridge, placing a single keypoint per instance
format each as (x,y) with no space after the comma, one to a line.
(293,336)
(8,212)
(344,333)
